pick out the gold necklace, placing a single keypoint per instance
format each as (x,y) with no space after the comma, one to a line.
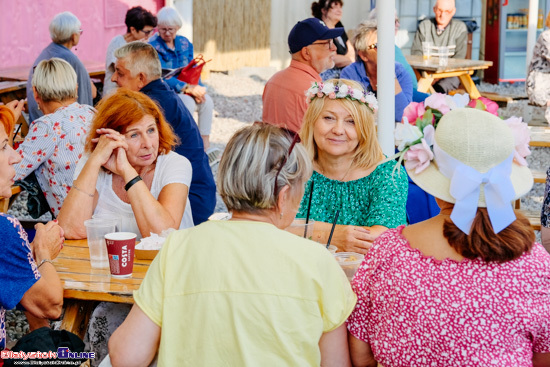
(345,174)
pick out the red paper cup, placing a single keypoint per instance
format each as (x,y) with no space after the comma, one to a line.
(120,249)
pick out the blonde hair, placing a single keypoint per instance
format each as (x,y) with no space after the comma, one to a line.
(368,151)
(55,80)
(362,33)
(249,165)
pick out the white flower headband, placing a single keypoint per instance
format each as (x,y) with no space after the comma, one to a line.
(334,91)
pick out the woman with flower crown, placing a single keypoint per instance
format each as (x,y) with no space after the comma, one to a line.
(349,177)
(468,287)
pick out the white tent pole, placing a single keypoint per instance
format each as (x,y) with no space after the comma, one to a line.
(386,75)
(532,30)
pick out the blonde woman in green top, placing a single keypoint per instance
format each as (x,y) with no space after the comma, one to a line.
(339,134)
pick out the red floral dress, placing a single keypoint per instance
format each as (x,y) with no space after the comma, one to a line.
(415,310)
(52,148)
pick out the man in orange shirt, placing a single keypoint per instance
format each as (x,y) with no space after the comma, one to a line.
(312,48)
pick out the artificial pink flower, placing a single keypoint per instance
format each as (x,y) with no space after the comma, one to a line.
(522,136)
(332,95)
(418,157)
(413,111)
(437,101)
(490,106)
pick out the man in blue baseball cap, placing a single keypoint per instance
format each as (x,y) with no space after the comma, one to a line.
(311,44)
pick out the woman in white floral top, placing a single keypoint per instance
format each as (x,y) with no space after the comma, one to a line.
(55,141)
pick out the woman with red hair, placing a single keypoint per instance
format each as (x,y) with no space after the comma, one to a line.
(130,171)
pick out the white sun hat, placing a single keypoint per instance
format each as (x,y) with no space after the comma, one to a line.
(473,167)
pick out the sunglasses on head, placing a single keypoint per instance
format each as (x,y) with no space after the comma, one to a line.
(295,139)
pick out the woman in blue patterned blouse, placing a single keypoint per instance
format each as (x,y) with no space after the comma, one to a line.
(176,51)
(27,275)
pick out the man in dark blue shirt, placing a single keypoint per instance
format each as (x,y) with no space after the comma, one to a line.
(138,68)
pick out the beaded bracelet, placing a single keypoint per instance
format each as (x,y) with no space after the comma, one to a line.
(132,182)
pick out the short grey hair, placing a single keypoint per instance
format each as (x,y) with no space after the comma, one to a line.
(168,16)
(246,175)
(140,57)
(55,80)
(63,26)
(362,32)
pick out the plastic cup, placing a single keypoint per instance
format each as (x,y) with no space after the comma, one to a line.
(96,229)
(120,248)
(443,56)
(332,249)
(426,50)
(349,261)
(116,219)
(300,228)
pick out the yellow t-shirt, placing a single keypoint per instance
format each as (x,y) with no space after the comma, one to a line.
(240,293)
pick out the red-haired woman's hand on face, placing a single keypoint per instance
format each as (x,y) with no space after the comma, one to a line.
(118,162)
(107,142)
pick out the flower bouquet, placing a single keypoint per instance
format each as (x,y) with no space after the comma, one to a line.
(415,134)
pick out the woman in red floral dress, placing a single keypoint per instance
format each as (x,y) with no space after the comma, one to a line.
(55,141)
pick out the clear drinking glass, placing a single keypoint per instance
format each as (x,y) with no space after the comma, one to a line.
(443,56)
(426,50)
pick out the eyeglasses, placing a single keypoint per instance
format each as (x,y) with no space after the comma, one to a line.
(441,11)
(328,43)
(295,140)
(148,32)
(168,30)
(374,46)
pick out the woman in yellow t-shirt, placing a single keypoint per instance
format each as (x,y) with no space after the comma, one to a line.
(243,292)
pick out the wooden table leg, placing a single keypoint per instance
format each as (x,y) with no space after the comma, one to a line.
(425,83)
(470,86)
(77,315)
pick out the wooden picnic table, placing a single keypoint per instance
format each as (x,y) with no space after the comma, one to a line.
(540,136)
(11,90)
(84,286)
(96,69)
(430,70)
(5,203)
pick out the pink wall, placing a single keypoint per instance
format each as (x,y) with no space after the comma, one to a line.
(24,26)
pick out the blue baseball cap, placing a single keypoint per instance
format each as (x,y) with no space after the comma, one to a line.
(309,30)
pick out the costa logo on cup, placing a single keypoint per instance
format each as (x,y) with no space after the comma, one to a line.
(120,249)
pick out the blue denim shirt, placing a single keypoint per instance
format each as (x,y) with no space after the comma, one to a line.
(181,55)
(357,72)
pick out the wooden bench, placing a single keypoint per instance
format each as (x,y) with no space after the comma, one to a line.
(539,176)
(5,203)
(534,219)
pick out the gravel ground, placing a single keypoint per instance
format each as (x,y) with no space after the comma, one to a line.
(238,102)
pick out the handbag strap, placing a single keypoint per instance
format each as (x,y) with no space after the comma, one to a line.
(199,60)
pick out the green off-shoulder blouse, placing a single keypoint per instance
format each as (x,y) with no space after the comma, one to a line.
(377,199)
